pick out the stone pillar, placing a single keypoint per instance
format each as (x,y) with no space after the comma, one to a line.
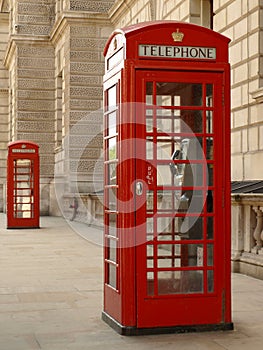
(79,39)
(4,105)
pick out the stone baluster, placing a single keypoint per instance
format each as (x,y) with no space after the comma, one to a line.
(261,236)
(258,230)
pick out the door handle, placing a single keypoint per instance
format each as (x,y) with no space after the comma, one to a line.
(139,188)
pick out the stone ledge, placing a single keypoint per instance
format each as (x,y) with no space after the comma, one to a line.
(247,198)
(257,95)
(89,211)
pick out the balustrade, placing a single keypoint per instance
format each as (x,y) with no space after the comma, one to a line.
(247,234)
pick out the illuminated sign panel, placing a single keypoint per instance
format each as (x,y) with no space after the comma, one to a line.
(205,53)
(18,150)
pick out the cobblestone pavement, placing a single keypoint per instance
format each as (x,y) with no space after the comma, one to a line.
(51,297)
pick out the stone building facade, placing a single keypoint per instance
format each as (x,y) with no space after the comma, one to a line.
(51,68)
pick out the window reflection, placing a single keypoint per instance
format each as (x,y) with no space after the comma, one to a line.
(112,98)
(209,95)
(178,94)
(180,282)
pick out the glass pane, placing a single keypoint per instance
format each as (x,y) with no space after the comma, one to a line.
(149,201)
(210,255)
(112,124)
(193,175)
(164,176)
(180,149)
(175,282)
(192,282)
(210,281)
(24,192)
(112,97)
(112,149)
(149,93)
(23,214)
(149,250)
(112,204)
(168,228)
(167,125)
(210,169)
(112,173)
(112,250)
(149,125)
(22,165)
(168,201)
(209,95)
(180,255)
(112,275)
(210,227)
(210,201)
(179,94)
(192,202)
(150,262)
(164,100)
(149,148)
(23,200)
(169,255)
(149,113)
(209,122)
(168,147)
(115,59)
(191,227)
(149,228)
(150,283)
(169,282)
(192,121)
(187,121)
(150,256)
(112,230)
(209,148)
(168,113)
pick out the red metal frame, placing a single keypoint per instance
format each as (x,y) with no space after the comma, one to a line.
(23,185)
(127,306)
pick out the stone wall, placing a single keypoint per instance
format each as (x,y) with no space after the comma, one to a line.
(33,17)
(31,67)
(4,98)
(53,64)
(79,40)
(240,21)
(101,6)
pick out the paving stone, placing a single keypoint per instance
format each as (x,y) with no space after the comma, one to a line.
(51,298)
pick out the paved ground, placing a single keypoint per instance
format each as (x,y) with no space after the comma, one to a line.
(51,297)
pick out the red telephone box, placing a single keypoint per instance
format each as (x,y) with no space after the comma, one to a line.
(167,179)
(23,185)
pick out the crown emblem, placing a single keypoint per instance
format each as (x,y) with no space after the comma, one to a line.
(178,36)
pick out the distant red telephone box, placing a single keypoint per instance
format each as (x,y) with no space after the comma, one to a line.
(167,179)
(23,185)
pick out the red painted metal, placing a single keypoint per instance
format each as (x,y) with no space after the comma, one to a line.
(168,278)
(23,185)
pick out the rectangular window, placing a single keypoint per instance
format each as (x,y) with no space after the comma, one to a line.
(201,13)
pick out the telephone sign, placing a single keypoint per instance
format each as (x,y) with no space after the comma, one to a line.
(167,179)
(208,53)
